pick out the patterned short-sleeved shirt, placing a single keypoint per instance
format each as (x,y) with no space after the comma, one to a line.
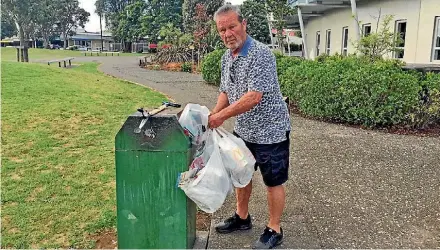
(254,69)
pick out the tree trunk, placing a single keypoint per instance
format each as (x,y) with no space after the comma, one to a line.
(100,26)
(26,53)
(45,42)
(21,55)
(128,46)
(23,44)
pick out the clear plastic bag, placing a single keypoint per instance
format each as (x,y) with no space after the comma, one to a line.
(194,121)
(209,186)
(237,158)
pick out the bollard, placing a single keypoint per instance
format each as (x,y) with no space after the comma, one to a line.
(151,211)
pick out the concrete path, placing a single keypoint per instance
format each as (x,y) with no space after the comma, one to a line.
(348,188)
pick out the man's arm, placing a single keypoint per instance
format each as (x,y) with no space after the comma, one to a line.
(222,102)
(244,104)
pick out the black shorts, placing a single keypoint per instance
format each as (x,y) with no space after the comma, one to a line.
(272,159)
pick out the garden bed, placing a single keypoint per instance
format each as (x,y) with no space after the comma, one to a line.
(174,67)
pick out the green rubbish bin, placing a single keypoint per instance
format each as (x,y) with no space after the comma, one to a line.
(152,212)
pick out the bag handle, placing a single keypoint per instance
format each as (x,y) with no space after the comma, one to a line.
(222,131)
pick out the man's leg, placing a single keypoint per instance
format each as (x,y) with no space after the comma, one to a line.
(243,195)
(276,197)
(274,169)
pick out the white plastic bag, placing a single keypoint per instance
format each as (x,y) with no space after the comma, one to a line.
(237,158)
(209,186)
(194,121)
(203,153)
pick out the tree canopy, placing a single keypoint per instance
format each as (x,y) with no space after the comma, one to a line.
(255,13)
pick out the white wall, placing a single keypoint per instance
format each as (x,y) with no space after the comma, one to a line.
(425,39)
(419,14)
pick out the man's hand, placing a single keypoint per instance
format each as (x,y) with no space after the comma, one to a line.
(215,120)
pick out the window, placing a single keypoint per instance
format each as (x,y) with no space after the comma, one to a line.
(366,29)
(400,30)
(345,41)
(318,42)
(436,44)
(328,42)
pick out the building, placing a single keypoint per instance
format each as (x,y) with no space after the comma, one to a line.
(15,41)
(92,40)
(330,26)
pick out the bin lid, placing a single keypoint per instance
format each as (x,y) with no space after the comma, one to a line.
(161,132)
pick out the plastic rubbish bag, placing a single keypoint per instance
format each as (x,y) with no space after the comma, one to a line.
(194,121)
(203,153)
(237,158)
(209,186)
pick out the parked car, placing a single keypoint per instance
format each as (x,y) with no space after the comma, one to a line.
(54,46)
(152,48)
(273,46)
(77,47)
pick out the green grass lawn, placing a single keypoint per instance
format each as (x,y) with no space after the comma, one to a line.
(10,54)
(58,170)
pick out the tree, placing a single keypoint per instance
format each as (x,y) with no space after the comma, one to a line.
(71,18)
(112,11)
(189,11)
(21,13)
(130,22)
(170,34)
(254,11)
(8,27)
(280,10)
(99,4)
(159,13)
(380,42)
(45,22)
(202,27)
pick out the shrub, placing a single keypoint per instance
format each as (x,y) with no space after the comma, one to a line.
(173,54)
(211,67)
(351,89)
(381,42)
(284,62)
(187,67)
(427,112)
(278,55)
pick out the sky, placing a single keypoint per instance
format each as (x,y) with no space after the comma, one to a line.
(93,24)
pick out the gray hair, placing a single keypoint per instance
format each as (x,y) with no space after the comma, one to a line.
(227,8)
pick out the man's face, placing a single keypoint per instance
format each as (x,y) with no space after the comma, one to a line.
(231,31)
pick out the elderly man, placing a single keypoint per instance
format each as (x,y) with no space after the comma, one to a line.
(249,91)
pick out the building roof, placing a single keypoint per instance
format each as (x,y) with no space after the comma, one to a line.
(314,8)
(14,39)
(82,34)
(90,37)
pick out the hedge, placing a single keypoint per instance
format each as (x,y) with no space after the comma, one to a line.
(353,89)
(211,67)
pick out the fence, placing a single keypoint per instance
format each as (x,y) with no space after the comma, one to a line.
(139,47)
(115,47)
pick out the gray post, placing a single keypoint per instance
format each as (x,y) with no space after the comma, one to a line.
(303,33)
(269,22)
(355,15)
